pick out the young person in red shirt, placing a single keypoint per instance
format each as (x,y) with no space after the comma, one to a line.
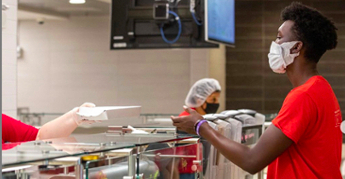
(17,131)
(203,97)
(304,140)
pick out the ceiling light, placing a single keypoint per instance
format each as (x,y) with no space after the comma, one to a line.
(77,1)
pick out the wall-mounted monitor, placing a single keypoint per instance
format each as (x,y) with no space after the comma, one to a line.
(144,24)
(220,22)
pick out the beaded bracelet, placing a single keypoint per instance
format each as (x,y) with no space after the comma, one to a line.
(198,126)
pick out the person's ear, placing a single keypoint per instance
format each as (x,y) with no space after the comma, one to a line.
(297,47)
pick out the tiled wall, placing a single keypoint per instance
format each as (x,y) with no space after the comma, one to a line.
(9,60)
(250,81)
(66,63)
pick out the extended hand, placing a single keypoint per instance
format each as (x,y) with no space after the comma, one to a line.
(77,119)
(187,123)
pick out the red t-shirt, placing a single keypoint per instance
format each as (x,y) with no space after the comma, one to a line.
(186,164)
(16,131)
(310,116)
(184,113)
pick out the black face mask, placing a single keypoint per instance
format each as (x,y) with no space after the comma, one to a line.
(211,108)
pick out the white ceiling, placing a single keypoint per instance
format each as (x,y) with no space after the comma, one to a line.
(61,9)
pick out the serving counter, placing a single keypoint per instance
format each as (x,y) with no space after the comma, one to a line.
(160,153)
(105,155)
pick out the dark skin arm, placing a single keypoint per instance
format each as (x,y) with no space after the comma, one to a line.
(271,144)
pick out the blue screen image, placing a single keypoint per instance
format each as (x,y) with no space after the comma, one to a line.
(221,20)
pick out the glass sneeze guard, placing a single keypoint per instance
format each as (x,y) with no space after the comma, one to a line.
(78,145)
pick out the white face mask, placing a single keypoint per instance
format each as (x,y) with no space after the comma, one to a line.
(279,57)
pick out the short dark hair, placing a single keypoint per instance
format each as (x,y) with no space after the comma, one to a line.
(316,31)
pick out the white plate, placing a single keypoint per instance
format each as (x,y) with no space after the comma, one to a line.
(108,112)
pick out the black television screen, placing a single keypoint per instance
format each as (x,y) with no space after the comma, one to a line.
(140,24)
(220,21)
